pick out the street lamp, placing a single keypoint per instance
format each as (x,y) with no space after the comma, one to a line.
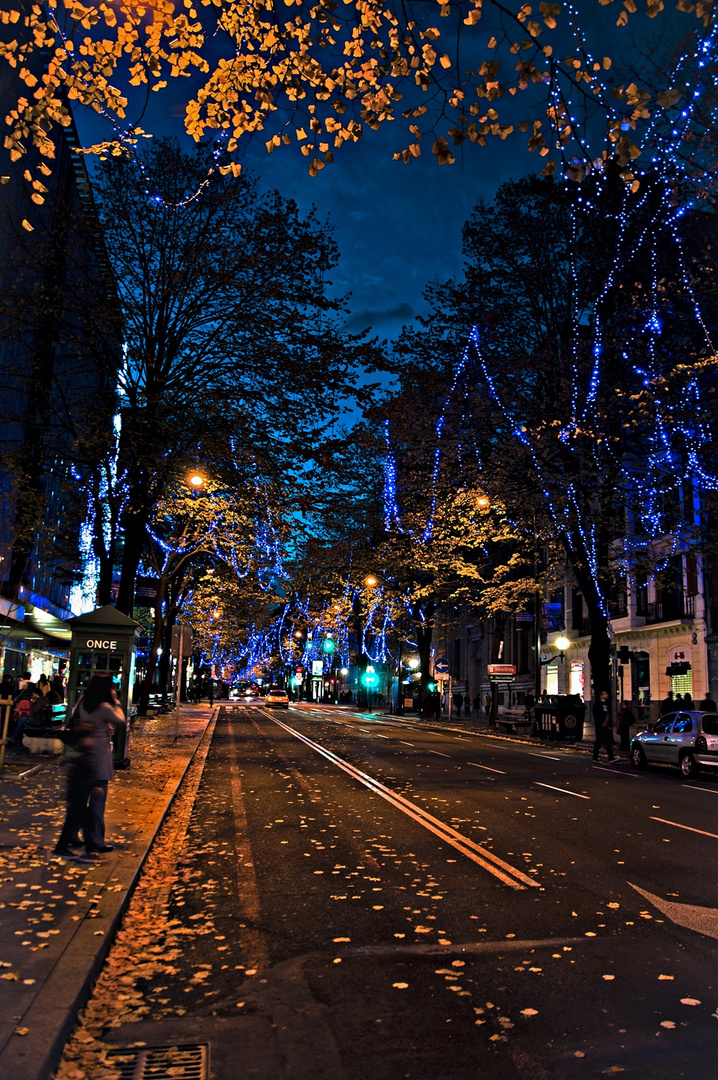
(196,480)
(562,643)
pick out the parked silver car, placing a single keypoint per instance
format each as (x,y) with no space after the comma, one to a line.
(686,739)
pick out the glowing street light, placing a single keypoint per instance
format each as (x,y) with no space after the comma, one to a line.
(562,643)
(196,480)
(370,581)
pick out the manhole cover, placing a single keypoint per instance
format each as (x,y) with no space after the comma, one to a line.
(189,1062)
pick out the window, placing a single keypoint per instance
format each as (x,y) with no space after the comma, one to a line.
(683,725)
(664,725)
(710,724)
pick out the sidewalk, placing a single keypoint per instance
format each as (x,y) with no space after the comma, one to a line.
(57,918)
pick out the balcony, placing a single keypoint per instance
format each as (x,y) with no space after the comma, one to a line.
(670,609)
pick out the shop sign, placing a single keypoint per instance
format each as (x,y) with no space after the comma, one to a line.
(98,643)
(317,667)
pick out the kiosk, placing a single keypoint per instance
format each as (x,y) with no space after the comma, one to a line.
(104,642)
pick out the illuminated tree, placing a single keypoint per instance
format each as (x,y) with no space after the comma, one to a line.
(587,351)
(228,328)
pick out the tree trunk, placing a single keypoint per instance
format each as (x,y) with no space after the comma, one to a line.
(599,652)
(497,643)
(424,638)
(146,689)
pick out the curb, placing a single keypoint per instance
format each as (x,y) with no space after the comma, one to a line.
(52,1013)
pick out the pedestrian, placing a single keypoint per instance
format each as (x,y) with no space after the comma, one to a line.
(624,719)
(529,701)
(43,684)
(457,701)
(707,705)
(487,703)
(668,704)
(30,712)
(78,740)
(23,682)
(687,701)
(477,703)
(210,691)
(678,702)
(7,686)
(467,705)
(59,687)
(604,726)
(100,710)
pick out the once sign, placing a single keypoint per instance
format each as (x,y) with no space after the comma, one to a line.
(96,643)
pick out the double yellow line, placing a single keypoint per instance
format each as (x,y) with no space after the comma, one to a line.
(505,873)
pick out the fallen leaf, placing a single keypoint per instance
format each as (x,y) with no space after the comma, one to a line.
(667,1024)
(529,1012)
(400,986)
(22,1031)
(608,978)
(690,1001)
(662,977)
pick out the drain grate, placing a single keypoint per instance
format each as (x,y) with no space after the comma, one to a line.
(189,1062)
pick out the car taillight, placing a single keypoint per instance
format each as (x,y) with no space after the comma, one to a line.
(701,744)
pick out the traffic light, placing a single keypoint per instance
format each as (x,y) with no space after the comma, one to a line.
(328,645)
(431,687)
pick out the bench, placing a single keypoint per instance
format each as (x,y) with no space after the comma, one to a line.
(515,719)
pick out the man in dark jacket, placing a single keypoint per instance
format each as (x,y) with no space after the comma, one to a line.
(604,726)
(668,704)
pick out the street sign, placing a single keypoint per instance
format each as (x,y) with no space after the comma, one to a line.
(500,673)
(441,666)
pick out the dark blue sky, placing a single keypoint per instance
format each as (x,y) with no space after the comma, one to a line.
(398,226)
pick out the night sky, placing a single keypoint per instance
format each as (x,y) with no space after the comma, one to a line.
(397,226)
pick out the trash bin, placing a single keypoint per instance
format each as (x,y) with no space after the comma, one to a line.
(560,717)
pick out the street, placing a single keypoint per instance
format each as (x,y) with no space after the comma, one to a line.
(368,897)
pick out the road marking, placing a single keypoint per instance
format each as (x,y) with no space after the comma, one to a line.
(487,767)
(692,787)
(688,828)
(618,772)
(702,920)
(484,858)
(564,791)
(437,752)
(532,753)
(405,743)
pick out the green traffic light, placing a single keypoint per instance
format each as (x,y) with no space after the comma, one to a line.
(328,645)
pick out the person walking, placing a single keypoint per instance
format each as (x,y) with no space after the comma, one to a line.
(687,701)
(604,726)
(100,710)
(477,704)
(708,704)
(624,719)
(668,704)
(467,705)
(78,780)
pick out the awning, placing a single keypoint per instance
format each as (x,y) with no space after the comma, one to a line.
(38,629)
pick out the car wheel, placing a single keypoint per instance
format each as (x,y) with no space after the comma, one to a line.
(689,769)
(638,758)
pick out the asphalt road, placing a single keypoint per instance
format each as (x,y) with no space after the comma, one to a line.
(370,899)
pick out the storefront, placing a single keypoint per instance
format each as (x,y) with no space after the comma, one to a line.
(33,640)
